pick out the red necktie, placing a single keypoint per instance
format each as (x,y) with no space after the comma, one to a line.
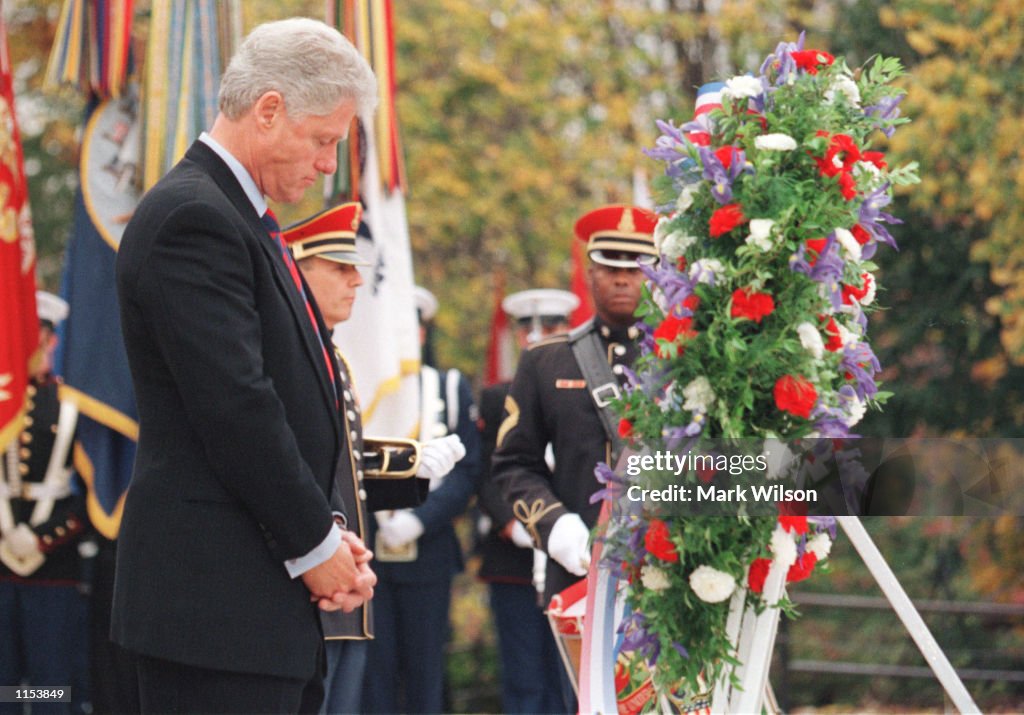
(270,221)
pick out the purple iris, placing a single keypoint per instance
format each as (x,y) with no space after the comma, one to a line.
(721,178)
(675,435)
(827,268)
(828,422)
(827,523)
(887,109)
(636,638)
(786,64)
(671,147)
(680,649)
(871,217)
(860,362)
(614,484)
(703,273)
(675,286)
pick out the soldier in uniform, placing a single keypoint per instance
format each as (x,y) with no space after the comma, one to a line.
(42,518)
(418,554)
(559,396)
(370,470)
(529,657)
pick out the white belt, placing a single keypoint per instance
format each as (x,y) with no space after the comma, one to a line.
(34,491)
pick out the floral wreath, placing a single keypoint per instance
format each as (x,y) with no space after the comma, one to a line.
(755,326)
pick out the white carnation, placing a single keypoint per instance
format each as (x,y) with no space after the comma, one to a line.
(779,458)
(654,578)
(846,335)
(846,86)
(775,142)
(711,585)
(855,410)
(699,395)
(820,545)
(706,270)
(869,297)
(783,548)
(761,233)
(742,86)
(810,338)
(685,200)
(675,244)
(661,230)
(847,241)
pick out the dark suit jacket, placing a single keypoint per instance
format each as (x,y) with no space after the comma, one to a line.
(239,433)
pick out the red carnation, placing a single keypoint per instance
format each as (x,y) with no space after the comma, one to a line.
(847,186)
(726,219)
(811,60)
(757,574)
(692,302)
(875,157)
(795,395)
(725,155)
(815,247)
(860,233)
(747,303)
(658,543)
(802,568)
(794,523)
(625,428)
(851,293)
(671,329)
(840,156)
(835,340)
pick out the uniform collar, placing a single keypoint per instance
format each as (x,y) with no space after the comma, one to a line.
(616,335)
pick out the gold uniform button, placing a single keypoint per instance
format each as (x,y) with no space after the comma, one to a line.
(23,469)
(47,539)
(31,390)
(61,531)
(24,452)
(26,438)
(29,421)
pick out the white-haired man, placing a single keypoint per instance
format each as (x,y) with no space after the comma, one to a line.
(228,543)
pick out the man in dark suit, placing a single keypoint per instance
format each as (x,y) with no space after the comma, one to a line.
(529,657)
(228,542)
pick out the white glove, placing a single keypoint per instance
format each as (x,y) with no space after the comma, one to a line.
(567,544)
(520,536)
(22,541)
(438,456)
(399,529)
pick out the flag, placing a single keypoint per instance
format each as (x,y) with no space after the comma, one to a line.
(580,286)
(19,325)
(91,355)
(501,351)
(381,338)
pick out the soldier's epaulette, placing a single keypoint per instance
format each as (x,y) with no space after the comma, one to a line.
(561,338)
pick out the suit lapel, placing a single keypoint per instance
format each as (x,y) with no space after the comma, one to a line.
(207,159)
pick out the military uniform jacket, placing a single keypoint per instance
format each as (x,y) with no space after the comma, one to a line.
(550,402)
(501,560)
(439,553)
(59,533)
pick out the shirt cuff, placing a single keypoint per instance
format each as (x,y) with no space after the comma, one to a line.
(323,552)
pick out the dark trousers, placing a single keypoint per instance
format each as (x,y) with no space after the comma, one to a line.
(530,664)
(346,664)
(41,637)
(168,687)
(115,683)
(405,671)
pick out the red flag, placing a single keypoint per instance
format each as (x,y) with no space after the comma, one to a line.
(500,348)
(19,325)
(580,286)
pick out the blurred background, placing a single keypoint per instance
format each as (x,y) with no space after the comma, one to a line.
(519,115)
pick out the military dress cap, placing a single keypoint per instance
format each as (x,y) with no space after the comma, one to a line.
(426,303)
(545,304)
(51,309)
(330,234)
(619,235)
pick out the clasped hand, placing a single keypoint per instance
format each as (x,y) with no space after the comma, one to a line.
(345,581)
